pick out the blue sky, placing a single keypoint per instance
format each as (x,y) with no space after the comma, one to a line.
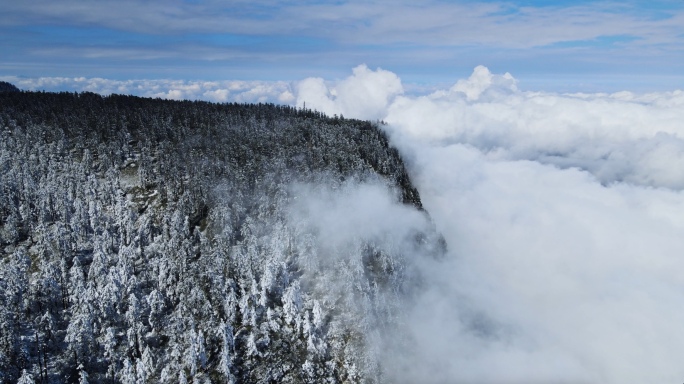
(568,45)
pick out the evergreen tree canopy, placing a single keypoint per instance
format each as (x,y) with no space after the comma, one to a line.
(8,87)
(147,240)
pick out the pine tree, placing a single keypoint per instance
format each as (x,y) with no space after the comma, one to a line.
(26,378)
(190,267)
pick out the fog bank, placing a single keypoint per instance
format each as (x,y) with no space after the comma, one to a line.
(563,214)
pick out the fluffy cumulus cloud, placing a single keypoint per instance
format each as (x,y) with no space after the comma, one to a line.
(616,137)
(563,215)
(365,94)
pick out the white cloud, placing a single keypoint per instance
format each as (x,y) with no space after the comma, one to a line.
(480,81)
(563,214)
(433,22)
(365,94)
(356,211)
(335,224)
(218,95)
(216,91)
(618,137)
(553,277)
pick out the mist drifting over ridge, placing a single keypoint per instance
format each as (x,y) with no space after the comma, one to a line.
(563,217)
(168,241)
(313,239)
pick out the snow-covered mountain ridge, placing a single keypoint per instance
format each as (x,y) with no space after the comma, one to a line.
(147,240)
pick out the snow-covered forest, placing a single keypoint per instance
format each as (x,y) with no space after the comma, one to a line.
(145,240)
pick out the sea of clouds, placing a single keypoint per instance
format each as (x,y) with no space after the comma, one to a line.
(563,214)
(238,91)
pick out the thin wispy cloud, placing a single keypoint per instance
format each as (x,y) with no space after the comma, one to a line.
(378,22)
(251,40)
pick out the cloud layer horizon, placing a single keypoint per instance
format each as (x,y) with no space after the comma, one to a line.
(563,214)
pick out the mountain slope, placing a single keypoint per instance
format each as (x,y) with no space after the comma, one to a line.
(8,87)
(146,240)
